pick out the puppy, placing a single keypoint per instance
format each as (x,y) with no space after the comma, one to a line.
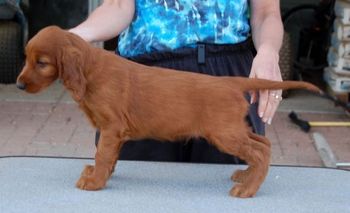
(126,100)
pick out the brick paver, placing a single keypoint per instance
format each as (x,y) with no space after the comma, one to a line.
(46,129)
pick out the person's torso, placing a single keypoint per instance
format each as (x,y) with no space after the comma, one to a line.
(165,25)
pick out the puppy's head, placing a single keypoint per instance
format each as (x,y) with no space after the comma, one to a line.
(51,54)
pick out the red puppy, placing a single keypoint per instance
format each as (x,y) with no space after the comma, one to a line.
(126,100)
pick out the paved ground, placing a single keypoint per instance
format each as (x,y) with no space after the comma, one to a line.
(49,124)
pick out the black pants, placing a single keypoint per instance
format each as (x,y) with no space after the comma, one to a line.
(218,60)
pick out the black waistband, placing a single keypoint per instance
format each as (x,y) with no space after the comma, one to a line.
(201,51)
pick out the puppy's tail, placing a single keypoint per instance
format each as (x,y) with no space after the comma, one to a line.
(249,84)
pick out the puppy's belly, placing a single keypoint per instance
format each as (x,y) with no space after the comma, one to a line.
(169,130)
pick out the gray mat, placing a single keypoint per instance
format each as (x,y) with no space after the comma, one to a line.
(47,185)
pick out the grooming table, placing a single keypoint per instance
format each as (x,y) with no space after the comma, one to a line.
(47,185)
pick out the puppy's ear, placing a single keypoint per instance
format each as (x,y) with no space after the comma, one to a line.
(71,71)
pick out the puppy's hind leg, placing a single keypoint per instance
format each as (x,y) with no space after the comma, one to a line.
(95,177)
(257,156)
(240,175)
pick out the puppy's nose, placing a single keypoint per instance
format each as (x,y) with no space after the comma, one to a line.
(21,85)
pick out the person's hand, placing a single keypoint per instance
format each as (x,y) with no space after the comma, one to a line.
(265,65)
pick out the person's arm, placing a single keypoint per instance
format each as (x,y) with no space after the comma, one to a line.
(106,21)
(267,32)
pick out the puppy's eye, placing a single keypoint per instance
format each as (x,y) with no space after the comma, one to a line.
(41,63)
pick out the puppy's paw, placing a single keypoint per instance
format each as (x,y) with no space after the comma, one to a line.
(88,170)
(239,176)
(89,183)
(241,191)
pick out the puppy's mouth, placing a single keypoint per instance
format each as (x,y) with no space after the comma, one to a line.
(28,87)
(33,89)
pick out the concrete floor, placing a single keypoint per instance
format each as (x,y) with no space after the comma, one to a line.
(50,124)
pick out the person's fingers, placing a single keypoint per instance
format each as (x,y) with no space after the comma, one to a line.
(253,93)
(263,99)
(253,97)
(272,105)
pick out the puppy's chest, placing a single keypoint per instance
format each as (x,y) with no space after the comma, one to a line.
(89,113)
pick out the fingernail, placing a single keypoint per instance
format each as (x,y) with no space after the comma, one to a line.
(261,114)
(269,121)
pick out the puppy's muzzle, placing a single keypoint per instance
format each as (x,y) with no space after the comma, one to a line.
(21,85)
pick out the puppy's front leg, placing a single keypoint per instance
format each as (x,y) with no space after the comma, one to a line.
(95,177)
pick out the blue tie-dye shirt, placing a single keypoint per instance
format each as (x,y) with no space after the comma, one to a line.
(165,25)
